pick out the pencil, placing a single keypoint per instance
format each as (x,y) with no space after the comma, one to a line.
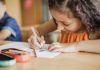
(35,55)
(38,37)
(33,50)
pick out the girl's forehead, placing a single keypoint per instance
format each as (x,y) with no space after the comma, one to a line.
(62,10)
(61,14)
(58,15)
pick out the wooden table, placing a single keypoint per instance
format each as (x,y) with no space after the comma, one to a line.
(65,61)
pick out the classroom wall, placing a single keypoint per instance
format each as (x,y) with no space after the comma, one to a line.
(26,18)
(32,15)
(14,9)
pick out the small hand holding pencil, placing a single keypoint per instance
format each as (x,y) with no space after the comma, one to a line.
(36,41)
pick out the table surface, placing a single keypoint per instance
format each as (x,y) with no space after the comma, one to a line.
(65,61)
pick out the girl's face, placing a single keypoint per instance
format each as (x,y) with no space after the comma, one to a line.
(66,20)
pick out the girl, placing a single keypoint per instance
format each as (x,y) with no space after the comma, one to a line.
(77,20)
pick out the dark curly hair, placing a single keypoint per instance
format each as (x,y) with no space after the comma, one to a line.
(85,10)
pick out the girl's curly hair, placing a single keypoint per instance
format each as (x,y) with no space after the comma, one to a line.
(85,10)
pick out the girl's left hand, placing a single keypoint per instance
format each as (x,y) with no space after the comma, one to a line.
(57,47)
(54,47)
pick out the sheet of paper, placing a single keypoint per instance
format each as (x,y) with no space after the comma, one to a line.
(42,53)
(46,54)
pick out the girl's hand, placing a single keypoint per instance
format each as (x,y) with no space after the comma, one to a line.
(57,47)
(36,42)
(54,47)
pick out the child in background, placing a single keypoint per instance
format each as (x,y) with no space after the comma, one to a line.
(78,21)
(9,30)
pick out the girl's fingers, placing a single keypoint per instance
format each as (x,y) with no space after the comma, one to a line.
(42,41)
(30,45)
(42,37)
(54,47)
(51,48)
(33,42)
(58,50)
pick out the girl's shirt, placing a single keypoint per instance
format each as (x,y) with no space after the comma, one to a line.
(10,23)
(69,37)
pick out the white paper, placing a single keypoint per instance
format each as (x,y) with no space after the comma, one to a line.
(42,53)
(46,54)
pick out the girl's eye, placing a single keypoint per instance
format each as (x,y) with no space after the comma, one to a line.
(63,23)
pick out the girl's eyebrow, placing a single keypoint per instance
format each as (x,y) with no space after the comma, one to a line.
(59,21)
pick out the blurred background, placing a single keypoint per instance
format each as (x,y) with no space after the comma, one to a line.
(28,13)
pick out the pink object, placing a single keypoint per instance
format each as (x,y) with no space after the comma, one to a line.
(23,58)
(19,55)
(27,4)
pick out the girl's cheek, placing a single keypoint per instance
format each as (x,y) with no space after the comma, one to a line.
(72,28)
(76,26)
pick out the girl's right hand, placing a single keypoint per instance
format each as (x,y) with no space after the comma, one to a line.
(36,42)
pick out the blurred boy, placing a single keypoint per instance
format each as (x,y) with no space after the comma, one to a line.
(9,30)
